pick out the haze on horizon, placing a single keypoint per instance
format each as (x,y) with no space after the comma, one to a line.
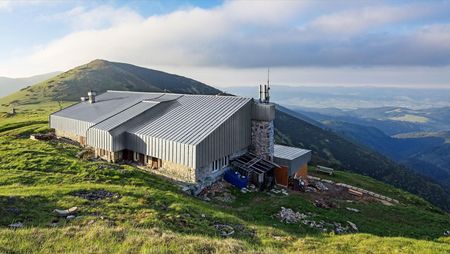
(231,43)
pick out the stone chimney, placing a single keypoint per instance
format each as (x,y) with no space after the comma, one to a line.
(91,96)
(263,114)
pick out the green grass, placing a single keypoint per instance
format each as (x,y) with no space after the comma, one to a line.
(152,215)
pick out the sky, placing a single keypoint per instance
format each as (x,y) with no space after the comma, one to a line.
(232,43)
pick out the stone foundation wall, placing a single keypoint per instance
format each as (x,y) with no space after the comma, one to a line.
(72,136)
(107,155)
(177,172)
(263,139)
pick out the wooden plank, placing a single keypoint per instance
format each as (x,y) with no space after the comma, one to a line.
(355,192)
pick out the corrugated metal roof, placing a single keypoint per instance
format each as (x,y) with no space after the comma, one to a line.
(186,119)
(191,118)
(107,105)
(126,115)
(289,152)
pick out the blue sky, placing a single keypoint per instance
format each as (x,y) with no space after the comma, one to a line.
(231,43)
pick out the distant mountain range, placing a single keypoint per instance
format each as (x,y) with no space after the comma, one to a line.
(353,97)
(10,85)
(291,128)
(415,138)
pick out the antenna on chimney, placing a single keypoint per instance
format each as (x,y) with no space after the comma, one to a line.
(268,85)
(264,96)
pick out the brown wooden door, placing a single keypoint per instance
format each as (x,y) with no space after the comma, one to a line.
(281,176)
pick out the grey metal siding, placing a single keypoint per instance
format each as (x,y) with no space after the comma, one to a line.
(183,154)
(99,139)
(76,127)
(231,136)
(293,164)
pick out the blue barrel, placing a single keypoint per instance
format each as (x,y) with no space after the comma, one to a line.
(235,179)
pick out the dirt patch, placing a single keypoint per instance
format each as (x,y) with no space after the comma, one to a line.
(331,193)
(96,195)
(219,191)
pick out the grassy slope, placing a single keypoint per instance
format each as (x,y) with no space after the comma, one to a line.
(329,149)
(101,75)
(154,216)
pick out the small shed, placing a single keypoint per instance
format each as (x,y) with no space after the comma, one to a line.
(293,162)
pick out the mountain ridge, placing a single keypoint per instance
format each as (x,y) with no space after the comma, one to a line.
(10,85)
(103,75)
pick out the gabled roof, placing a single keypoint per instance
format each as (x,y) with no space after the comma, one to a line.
(190,118)
(181,118)
(107,105)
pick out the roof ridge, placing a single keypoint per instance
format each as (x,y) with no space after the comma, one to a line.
(184,94)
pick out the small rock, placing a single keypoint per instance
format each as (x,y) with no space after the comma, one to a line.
(352,209)
(70,217)
(353,226)
(65,213)
(225,230)
(16,225)
(203,215)
(447,233)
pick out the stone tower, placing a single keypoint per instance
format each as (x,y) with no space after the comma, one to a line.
(263,114)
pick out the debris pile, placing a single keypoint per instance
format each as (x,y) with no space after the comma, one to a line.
(336,227)
(280,191)
(96,194)
(287,215)
(319,185)
(250,188)
(218,191)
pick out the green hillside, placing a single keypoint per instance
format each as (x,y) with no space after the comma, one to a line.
(101,75)
(148,214)
(328,148)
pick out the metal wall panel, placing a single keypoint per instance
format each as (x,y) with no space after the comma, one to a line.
(76,127)
(233,135)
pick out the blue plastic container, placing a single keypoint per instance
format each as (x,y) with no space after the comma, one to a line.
(235,179)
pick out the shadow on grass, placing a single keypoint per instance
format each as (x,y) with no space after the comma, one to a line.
(29,210)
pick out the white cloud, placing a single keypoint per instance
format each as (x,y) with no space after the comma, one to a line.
(243,34)
(100,17)
(355,21)
(4,4)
